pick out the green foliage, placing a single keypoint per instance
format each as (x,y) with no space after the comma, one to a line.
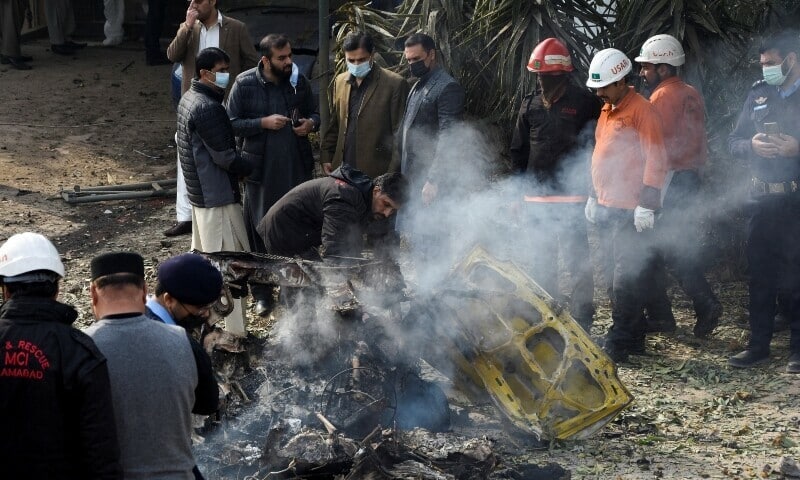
(486,43)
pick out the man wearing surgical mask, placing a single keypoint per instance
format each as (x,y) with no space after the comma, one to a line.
(212,166)
(435,104)
(368,106)
(767,134)
(427,153)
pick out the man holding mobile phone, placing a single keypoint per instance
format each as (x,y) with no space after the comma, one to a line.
(767,134)
(272,109)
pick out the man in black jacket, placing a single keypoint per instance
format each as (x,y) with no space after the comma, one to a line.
(55,398)
(435,105)
(212,166)
(330,213)
(186,288)
(767,134)
(551,146)
(272,110)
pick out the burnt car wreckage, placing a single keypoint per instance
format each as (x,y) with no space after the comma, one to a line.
(343,363)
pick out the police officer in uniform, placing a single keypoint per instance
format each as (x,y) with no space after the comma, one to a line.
(767,134)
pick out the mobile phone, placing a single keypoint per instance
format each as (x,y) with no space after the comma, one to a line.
(772,128)
(296,117)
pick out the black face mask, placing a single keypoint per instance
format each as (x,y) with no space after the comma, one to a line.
(549,83)
(418,69)
(190,322)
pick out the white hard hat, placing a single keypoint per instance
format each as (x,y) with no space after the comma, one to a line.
(662,49)
(607,67)
(28,252)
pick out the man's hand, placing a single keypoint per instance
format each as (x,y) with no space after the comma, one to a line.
(275,121)
(327,168)
(306,126)
(786,144)
(764,146)
(429,192)
(643,218)
(191,16)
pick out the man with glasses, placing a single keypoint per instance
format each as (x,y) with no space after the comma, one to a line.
(187,286)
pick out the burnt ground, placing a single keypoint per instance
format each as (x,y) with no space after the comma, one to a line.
(102,117)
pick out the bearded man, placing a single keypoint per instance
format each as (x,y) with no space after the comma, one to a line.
(272,110)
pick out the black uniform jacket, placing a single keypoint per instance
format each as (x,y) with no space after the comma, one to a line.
(206,394)
(554,145)
(56,415)
(765,105)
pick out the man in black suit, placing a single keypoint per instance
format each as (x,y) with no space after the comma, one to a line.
(435,104)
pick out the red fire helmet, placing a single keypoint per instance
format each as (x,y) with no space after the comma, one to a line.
(550,56)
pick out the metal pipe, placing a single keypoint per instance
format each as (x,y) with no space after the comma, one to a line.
(100,197)
(171,182)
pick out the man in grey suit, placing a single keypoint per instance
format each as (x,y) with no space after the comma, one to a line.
(434,106)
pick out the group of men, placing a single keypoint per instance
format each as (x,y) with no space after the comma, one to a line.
(632,153)
(642,159)
(645,160)
(259,135)
(116,400)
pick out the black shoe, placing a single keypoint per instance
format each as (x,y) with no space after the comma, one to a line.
(16,62)
(5,60)
(159,58)
(748,358)
(655,326)
(615,353)
(180,228)
(794,363)
(707,322)
(62,49)
(74,45)
(638,348)
(781,322)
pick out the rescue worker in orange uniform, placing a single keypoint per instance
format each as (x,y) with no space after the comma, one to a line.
(683,120)
(628,170)
(551,144)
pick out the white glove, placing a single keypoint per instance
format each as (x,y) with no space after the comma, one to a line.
(590,210)
(643,218)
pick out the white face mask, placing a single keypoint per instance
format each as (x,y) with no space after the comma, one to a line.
(361,70)
(221,79)
(774,75)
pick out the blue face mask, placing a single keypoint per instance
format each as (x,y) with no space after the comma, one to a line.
(774,75)
(359,71)
(221,79)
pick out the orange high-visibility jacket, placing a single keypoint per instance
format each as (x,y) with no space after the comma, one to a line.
(629,156)
(683,119)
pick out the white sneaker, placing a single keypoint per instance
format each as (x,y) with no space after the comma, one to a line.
(112,42)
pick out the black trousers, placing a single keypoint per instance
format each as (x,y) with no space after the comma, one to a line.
(558,230)
(773,257)
(679,248)
(153,27)
(631,252)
